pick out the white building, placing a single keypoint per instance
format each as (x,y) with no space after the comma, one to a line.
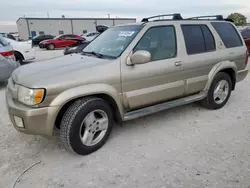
(37,26)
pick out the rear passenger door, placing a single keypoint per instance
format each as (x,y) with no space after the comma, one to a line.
(199,57)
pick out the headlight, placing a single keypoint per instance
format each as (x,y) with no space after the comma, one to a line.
(30,96)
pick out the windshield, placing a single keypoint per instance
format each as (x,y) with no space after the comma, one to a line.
(113,41)
(57,37)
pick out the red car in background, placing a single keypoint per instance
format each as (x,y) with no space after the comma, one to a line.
(246,35)
(60,41)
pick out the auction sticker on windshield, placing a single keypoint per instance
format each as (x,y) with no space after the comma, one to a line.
(126,33)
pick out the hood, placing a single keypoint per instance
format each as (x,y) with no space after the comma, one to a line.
(62,70)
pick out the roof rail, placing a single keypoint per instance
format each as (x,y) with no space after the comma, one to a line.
(217,17)
(176,16)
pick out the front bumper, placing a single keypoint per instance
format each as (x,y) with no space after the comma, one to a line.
(41,45)
(37,121)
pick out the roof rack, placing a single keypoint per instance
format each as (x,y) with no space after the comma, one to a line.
(176,16)
(217,17)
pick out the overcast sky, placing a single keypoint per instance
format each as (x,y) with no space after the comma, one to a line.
(11,10)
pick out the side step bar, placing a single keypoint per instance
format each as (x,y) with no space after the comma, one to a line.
(163,106)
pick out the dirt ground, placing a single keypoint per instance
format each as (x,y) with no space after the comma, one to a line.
(188,146)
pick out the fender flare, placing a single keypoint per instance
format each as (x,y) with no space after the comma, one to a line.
(218,68)
(88,90)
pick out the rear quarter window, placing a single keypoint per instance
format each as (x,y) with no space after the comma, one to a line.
(3,42)
(228,34)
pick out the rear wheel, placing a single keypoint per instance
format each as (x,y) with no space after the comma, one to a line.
(86,125)
(51,47)
(18,57)
(219,92)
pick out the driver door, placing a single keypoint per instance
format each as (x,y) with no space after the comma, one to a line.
(158,80)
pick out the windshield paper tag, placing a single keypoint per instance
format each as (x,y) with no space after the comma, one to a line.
(126,33)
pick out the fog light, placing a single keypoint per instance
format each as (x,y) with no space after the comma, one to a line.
(18,121)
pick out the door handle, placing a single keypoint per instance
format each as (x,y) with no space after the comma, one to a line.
(178,63)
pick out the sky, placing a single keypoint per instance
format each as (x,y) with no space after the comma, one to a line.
(12,10)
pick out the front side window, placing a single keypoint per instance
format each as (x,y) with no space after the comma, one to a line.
(228,34)
(113,41)
(160,42)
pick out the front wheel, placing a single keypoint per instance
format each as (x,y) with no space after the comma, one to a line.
(86,125)
(219,92)
(51,47)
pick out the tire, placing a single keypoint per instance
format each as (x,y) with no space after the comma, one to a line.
(77,123)
(18,57)
(212,101)
(51,47)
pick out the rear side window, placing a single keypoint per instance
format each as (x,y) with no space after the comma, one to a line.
(198,39)
(3,42)
(209,38)
(228,34)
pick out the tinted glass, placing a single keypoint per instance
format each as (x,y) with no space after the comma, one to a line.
(113,41)
(246,34)
(160,42)
(228,34)
(3,42)
(209,39)
(194,39)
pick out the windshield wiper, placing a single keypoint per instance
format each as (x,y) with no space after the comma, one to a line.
(94,53)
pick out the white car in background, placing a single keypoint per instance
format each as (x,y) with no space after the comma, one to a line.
(90,36)
(23,51)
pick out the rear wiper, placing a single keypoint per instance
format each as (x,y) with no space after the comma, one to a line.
(94,53)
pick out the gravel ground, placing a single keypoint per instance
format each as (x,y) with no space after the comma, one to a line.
(187,146)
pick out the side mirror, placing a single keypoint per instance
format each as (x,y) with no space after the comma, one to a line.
(140,57)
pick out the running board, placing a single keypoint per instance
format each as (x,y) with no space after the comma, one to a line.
(163,106)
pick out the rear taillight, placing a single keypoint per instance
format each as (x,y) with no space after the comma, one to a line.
(7,54)
(247,56)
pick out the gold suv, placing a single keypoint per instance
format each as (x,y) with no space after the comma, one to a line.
(127,72)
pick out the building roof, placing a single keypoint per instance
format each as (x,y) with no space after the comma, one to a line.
(32,18)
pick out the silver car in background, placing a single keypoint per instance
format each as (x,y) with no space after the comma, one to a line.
(7,60)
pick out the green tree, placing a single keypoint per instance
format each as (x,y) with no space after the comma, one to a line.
(238,18)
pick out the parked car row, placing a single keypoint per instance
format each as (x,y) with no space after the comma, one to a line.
(60,41)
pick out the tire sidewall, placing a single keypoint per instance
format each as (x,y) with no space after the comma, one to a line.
(51,47)
(18,57)
(220,76)
(74,137)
